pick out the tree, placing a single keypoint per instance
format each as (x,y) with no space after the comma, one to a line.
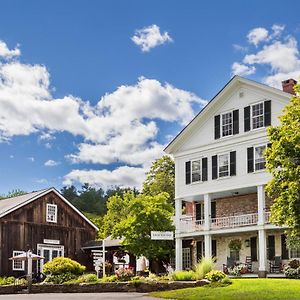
(70,193)
(13,193)
(161,178)
(143,214)
(283,162)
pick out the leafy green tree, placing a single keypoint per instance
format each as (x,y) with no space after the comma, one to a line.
(69,192)
(283,162)
(161,178)
(13,193)
(143,214)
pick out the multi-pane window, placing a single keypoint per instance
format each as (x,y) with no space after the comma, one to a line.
(258,115)
(259,159)
(18,265)
(196,170)
(224,165)
(227,124)
(51,215)
(295,253)
(186,258)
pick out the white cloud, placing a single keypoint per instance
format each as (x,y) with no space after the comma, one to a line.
(124,176)
(121,128)
(257,35)
(150,37)
(277,54)
(51,163)
(241,69)
(240,48)
(31,159)
(6,53)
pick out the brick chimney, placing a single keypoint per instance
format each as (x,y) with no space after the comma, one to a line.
(288,86)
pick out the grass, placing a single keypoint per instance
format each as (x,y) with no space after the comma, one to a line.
(240,289)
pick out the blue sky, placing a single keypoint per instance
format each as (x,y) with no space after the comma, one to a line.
(82,100)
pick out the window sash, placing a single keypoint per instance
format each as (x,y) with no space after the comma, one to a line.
(196,171)
(223,165)
(51,215)
(227,124)
(259,159)
(18,265)
(258,115)
(186,258)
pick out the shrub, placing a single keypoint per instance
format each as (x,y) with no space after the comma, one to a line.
(183,276)
(87,278)
(124,274)
(236,270)
(61,278)
(215,276)
(226,280)
(112,278)
(294,264)
(62,265)
(7,280)
(204,266)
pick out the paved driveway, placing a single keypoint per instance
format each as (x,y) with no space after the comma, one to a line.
(79,296)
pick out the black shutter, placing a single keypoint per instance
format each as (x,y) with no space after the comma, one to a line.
(253,248)
(214,248)
(247,118)
(271,247)
(267,110)
(250,159)
(214,162)
(233,163)
(213,209)
(199,213)
(187,172)
(199,250)
(284,249)
(217,127)
(236,121)
(204,169)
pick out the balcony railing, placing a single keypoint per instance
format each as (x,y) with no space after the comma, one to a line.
(190,224)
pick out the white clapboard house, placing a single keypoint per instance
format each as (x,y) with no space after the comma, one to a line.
(220,177)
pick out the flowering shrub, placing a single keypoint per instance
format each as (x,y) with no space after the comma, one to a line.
(236,270)
(124,274)
(215,276)
(292,270)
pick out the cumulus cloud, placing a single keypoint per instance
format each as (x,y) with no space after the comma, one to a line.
(6,53)
(277,54)
(51,163)
(257,35)
(242,70)
(121,128)
(150,37)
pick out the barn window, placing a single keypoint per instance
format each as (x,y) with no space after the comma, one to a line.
(18,265)
(51,213)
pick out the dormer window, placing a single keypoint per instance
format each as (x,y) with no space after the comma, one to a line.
(51,214)
(227,124)
(258,115)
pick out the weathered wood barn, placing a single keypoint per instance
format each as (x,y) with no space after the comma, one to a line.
(46,223)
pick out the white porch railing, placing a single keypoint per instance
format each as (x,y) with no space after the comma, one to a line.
(234,221)
(190,224)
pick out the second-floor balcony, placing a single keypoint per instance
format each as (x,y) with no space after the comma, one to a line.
(190,224)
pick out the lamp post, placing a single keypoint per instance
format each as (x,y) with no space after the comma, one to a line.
(29,270)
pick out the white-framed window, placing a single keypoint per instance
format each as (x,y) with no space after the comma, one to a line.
(259,159)
(186,258)
(295,253)
(18,265)
(227,124)
(196,170)
(51,214)
(223,165)
(257,115)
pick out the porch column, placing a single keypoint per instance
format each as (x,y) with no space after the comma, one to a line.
(178,254)
(207,245)
(178,212)
(262,248)
(207,211)
(261,204)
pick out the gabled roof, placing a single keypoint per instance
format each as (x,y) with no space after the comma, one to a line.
(233,82)
(9,205)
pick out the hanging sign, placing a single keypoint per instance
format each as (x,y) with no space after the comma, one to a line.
(162,235)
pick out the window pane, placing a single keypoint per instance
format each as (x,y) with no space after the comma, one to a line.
(258,115)
(259,158)
(223,165)
(196,170)
(227,124)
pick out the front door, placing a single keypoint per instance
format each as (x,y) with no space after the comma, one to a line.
(48,252)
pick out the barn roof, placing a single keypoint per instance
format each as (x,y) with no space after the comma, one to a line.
(11,204)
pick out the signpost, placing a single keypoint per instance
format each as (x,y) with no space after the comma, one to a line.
(162,235)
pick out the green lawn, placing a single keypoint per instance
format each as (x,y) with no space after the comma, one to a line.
(240,289)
